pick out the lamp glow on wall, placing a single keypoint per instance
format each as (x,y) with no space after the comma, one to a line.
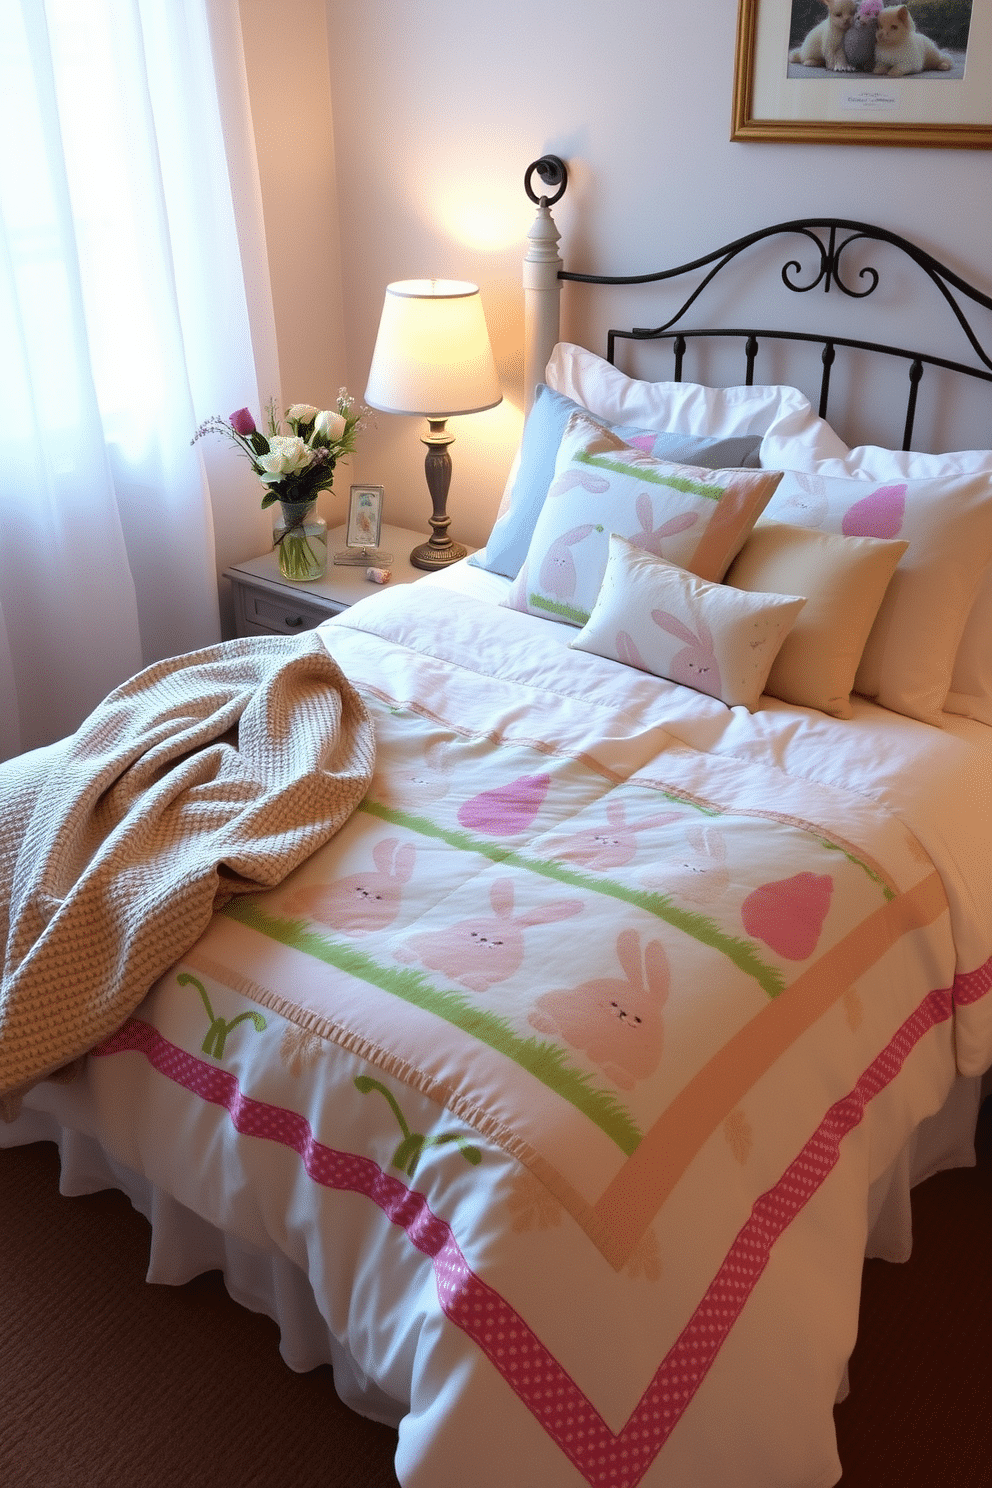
(432,357)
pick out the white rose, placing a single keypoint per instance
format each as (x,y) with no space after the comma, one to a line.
(329,425)
(302,413)
(287,454)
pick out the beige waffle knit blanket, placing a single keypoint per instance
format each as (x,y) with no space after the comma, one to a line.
(204,776)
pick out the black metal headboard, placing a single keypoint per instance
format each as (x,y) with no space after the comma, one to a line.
(831,237)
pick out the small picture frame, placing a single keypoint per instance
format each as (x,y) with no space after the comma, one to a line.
(364,529)
(364,517)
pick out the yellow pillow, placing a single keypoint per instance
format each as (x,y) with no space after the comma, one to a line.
(844,580)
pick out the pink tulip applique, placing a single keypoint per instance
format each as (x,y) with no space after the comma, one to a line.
(880,514)
(788,915)
(508,809)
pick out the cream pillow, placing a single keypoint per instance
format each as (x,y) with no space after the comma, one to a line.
(695,517)
(689,407)
(655,616)
(971,680)
(844,580)
(909,657)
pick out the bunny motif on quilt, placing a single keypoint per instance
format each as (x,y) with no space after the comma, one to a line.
(616,1021)
(699,871)
(486,949)
(611,845)
(362,902)
(425,780)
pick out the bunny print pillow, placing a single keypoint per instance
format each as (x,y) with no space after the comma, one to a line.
(659,618)
(694,517)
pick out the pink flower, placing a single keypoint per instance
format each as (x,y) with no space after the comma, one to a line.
(242,422)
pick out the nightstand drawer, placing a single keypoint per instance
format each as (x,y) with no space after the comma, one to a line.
(267,603)
(287,616)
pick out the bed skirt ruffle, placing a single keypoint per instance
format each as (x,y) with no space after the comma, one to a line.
(184,1246)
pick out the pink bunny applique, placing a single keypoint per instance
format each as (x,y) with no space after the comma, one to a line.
(557,574)
(611,845)
(652,538)
(616,1021)
(596,485)
(698,872)
(696,664)
(627,652)
(487,948)
(807,506)
(421,782)
(361,902)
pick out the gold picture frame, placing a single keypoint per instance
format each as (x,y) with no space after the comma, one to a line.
(854,108)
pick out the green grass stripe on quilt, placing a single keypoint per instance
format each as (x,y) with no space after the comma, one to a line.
(866,868)
(545,1061)
(700,927)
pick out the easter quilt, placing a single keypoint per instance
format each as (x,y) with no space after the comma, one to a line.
(563,1069)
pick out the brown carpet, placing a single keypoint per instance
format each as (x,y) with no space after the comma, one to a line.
(106,1382)
(920,1407)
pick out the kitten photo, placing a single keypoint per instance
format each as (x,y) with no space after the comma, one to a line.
(824,44)
(900,49)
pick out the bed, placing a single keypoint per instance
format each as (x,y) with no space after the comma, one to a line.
(557,1098)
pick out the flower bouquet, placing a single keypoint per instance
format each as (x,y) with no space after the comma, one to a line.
(295,460)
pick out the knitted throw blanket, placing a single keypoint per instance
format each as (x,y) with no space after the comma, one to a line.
(204,776)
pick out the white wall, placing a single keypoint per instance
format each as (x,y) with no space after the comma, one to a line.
(286,58)
(438,107)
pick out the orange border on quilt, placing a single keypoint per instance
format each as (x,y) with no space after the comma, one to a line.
(728,526)
(631,1201)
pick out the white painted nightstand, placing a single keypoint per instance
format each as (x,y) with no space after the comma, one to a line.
(265,603)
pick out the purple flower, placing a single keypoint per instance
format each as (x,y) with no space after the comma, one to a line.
(242,422)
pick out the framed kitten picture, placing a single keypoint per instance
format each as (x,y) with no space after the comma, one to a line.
(863,72)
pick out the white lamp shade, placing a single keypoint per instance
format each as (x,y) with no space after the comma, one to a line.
(432,354)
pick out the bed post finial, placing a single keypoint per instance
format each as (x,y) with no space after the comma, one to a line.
(542,287)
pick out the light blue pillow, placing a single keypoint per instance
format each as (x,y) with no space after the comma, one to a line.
(509,540)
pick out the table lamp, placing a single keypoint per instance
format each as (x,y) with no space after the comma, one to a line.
(432,357)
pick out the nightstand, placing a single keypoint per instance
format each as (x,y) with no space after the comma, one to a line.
(265,603)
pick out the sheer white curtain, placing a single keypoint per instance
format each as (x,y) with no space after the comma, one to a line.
(123,323)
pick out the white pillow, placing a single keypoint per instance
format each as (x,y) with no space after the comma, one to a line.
(971,680)
(609,394)
(910,654)
(695,517)
(653,615)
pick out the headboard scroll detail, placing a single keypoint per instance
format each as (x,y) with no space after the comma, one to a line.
(831,238)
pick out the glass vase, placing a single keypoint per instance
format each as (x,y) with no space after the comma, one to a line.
(300,538)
